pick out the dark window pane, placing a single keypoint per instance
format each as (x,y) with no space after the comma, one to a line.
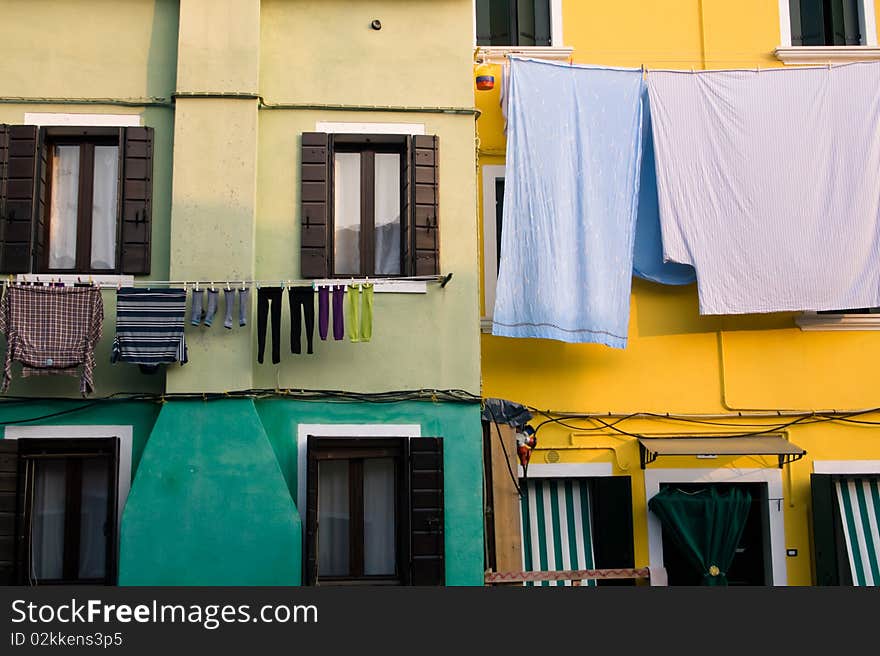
(94,510)
(105,188)
(380,521)
(499,214)
(347,214)
(533,22)
(47,530)
(825,22)
(513,22)
(64,207)
(386,214)
(334,518)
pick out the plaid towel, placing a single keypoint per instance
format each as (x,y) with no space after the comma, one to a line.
(149,326)
(52,330)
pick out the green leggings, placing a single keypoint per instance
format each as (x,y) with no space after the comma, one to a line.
(359,318)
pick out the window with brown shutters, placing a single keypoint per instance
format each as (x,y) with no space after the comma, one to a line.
(369,205)
(374,511)
(58,511)
(75,200)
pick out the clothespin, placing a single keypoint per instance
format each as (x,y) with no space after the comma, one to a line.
(242,285)
(196,286)
(644,73)
(118,284)
(212,286)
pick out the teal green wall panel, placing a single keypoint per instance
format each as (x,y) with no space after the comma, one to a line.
(209,504)
(458,424)
(138,414)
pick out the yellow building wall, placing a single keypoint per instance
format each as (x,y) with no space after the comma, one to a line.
(678,361)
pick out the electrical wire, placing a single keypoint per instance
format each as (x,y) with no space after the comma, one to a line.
(506,455)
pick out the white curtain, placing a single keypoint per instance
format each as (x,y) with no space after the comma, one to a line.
(380,549)
(93,518)
(333,518)
(387,214)
(104,207)
(47,519)
(347,213)
(64,202)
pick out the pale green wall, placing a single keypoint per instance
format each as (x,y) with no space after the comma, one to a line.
(212,228)
(418,340)
(218,45)
(113,50)
(326,52)
(209,505)
(98,49)
(235,211)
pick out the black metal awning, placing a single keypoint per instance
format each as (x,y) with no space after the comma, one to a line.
(758,445)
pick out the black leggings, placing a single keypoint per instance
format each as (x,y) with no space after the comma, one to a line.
(265,296)
(301,297)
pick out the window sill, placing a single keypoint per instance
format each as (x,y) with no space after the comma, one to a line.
(498,54)
(103,280)
(826,54)
(814,321)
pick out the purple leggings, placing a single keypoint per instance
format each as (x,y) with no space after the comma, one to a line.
(324,311)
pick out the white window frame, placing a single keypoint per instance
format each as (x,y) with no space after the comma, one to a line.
(53,119)
(775,508)
(846,467)
(790,54)
(491,173)
(339,430)
(124,433)
(555,51)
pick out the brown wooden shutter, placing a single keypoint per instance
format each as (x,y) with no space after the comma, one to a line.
(407,237)
(18,191)
(425,205)
(310,573)
(426,521)
(315,183)
(9,512)
(135,209)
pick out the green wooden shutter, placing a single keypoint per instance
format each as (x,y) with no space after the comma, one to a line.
(425,205)
(427,549)
(315,186)
(20,173)
(135,207)
(10,515)
(824,517)
(611,507)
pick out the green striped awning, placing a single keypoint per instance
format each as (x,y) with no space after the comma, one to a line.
(859,500)
(556,533)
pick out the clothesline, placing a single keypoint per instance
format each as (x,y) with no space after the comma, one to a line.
(69,280)
(646,70)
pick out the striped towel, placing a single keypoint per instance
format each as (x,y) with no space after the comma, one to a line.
(149,326)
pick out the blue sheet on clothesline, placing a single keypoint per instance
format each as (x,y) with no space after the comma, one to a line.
(570,202)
